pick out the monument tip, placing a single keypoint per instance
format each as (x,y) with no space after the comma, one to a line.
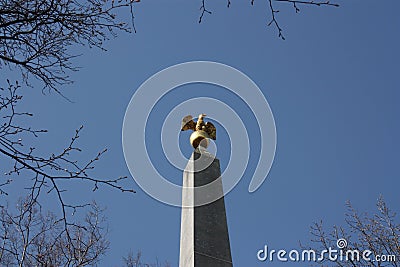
(202,131)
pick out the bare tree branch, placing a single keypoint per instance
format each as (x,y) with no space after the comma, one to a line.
(378,233)
(135,260)
(46,172)
(273,10)
(32,237)
(204,10)
(35,34)
(274,21)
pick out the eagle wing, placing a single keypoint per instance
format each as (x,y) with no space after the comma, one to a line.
(188,123)
(211,130)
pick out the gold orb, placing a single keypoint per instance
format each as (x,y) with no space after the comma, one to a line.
(197,138)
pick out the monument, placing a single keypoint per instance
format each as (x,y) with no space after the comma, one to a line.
(204,231)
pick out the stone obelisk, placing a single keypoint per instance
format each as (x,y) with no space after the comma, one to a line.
(204,230)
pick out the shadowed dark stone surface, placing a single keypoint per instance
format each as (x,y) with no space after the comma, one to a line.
(204,230)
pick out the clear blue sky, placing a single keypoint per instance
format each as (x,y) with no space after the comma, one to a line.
(333,88)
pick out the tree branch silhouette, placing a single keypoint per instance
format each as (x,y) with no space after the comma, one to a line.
(36,34)
(273,10)
(378,233)
(45,172)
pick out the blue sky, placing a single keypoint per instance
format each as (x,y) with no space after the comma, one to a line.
(332,86)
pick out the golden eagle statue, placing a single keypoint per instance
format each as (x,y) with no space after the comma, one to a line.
(202,131)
